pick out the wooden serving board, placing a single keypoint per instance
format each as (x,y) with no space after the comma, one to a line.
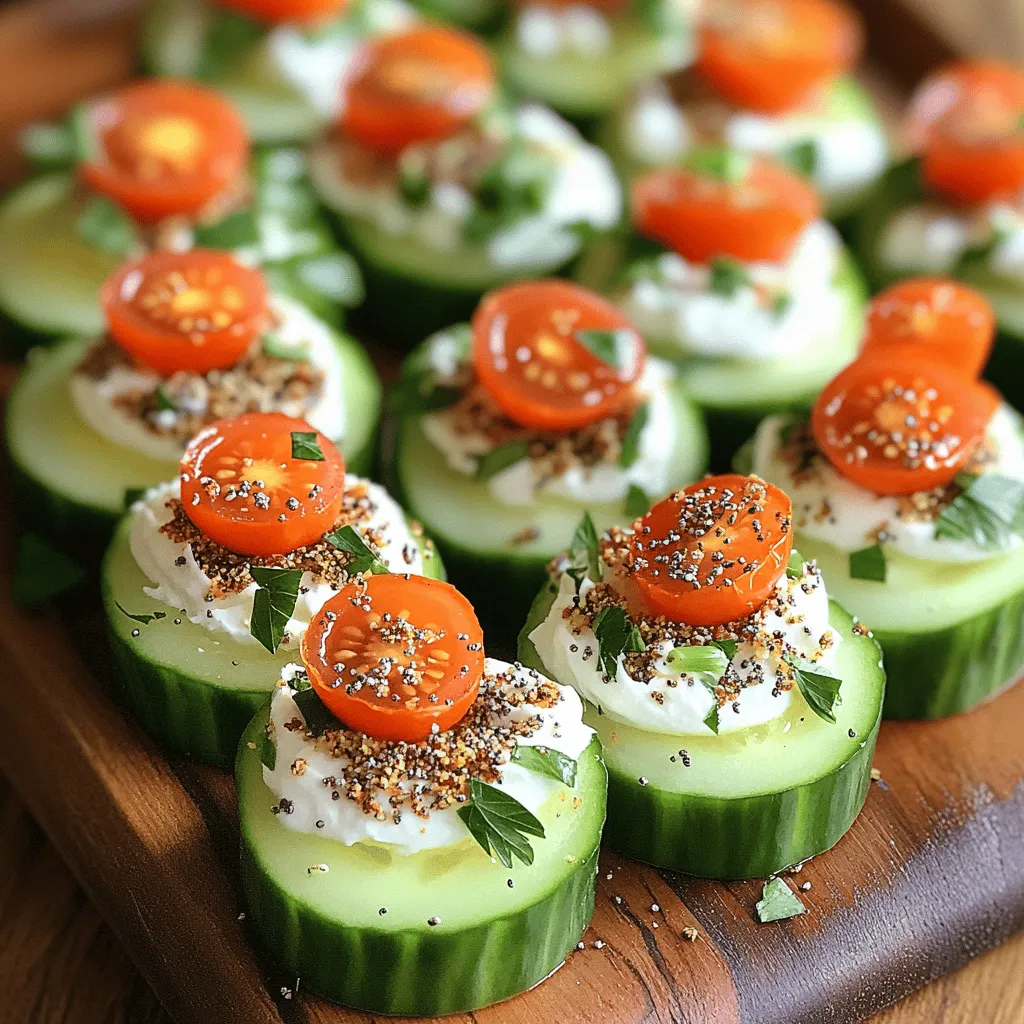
(931,874)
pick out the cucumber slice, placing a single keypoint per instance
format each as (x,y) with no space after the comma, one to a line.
(70,482)
(479,15)
(952,633)
(482,539)
(752,803)
(191,689)
(493,940)
(583,86)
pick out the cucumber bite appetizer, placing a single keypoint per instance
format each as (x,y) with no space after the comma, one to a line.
(737,705)
(908,491)
(745,285)
(212,579)
(156,166)
(771,76)
(956,208)
(583,57)
(509,428)
(420,823)
(280,61)
(444,191)
(191,337)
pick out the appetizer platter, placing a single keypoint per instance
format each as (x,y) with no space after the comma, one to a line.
(623,613)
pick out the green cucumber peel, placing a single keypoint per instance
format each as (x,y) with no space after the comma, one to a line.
(273,603)
(778,902)
(41,572)
(546,761)
(500,823)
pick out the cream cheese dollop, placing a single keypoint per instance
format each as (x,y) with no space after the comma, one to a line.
(177,580)
(311,808)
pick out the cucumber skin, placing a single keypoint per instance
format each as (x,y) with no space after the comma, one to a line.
(187,714)
(428,973)
(698,834)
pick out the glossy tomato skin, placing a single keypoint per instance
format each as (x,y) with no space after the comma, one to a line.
(953,324)
(711,553)
(528,355)
(758,218)
(895,422)
(275,12)
(966,120)
(773,56)
(242,487)
(165,148)
(195,311)
(422,85)
(396,656)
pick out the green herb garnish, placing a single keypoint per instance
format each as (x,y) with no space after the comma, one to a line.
(718,162)
(413,182)
(305,446)
(499,459)
(610,347)
(141,617)
(42,572)
(712,660)
(364,559)
(778,902)
(314,711)
(868,564)
(711,718)
(616,634)
(782,303)
(47,147)
(234,231)
(273,603)
(103,224)
(500,823)
(795,566)
(637,502)
(545,761)
(988,511)
(802,157)
(728,276)
(820,691)
(132,495)
(631,439)
(584,553)
(273,346)
(228,36)
(163,400)
(268,751)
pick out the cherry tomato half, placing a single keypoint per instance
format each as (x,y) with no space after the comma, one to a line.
(243,488)
(896,423)
(396,655)
(956,324)
(274,12)
(756,218)
(166,148)
(966,119)
(554,356)
(419,86)
(196,310)
(711,553)
(772,55)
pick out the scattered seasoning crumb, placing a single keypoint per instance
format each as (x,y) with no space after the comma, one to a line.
(527,536)
(251,745)
(433,921)
(320,823)
(609,876)
(691,934)
(314,868)
(655,909)
(875,774)
(618,899)
(511,884)
(241,916)
(382,911)
(642,780)
(598,944)
(580,945)
(806,886)
(135,632)
(654,924)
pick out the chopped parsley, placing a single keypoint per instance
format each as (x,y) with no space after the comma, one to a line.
(820,691)
(610,347)
(545,761)
(631,439)
(616,634)
(584,553)
(364,559)
(501,458)
(305,446)
(728,276)
(273,603)
(314,711)
(500,823)
(637,502)
(868,564)
(778,902)
(989,511)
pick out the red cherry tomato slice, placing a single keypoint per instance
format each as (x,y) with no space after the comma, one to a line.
(420,86)
(896,423)
(713,552)
(395,656)
(242,487)
(954,324)
(534,346)
(195,311)
(966,119)
(166,148)
(700,216)
(772,55)
(274,12)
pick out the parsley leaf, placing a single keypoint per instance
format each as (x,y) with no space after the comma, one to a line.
(163,401)
(142,618)
(988,512)
(545,761)
(711,718)
(584,553)
(728,276)
(616,634)
(305,446)
(273,603)
(802,157)
(314,711)
(778,902)
(47,147)
(364,558)
(500,823)
(268,751)
(637,502)
(781,304)
(719,162)
(234,231)
(499,459)
(631,439)
(228,36)
(868,564)
(610,347)
(103,224)
(820,691)
(42,572)
(795,566)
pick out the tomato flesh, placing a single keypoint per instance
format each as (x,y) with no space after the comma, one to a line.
(274,12)
(711,553)
(954,324)
(241,486)
(419,86)
(165,148)
(773,55)
(195,311)
(530,356)
(896,423)
(758,218)
(396,657)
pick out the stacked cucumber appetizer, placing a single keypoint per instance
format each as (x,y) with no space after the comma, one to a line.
(908,491)
(704,664)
